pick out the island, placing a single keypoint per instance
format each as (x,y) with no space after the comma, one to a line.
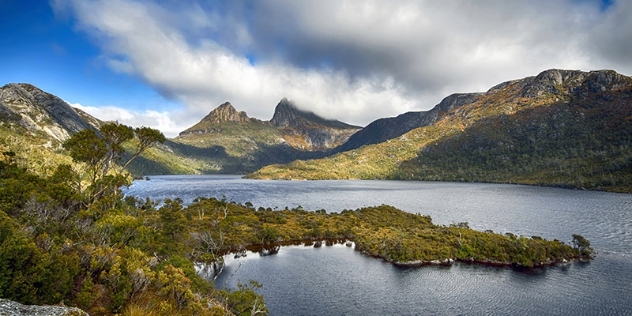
(64,240)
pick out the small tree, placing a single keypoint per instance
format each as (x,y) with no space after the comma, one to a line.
(101,152)
(583,246)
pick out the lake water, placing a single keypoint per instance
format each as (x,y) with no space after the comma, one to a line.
(336,280)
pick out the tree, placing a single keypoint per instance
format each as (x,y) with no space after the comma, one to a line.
(100,152)
(583,246)
(146,138)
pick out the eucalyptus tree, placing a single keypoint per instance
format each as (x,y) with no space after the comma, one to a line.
(100,153)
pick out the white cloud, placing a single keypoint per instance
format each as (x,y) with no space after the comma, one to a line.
(163,121)
(354,61)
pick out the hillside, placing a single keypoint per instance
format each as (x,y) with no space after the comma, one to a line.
(228,141)
(35,124)
(559,128)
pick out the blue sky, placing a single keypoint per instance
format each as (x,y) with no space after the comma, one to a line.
(166,64)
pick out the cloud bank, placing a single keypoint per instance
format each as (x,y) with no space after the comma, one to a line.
(349,60)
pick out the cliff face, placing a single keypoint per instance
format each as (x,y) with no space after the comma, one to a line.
(222,114)
(308,131)
(36,110)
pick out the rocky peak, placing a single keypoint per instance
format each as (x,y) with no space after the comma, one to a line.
(286,114)
(35,109)
(556,81)
(226,113)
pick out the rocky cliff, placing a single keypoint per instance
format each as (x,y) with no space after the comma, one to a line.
(38,111)
(308,131)
(222,114)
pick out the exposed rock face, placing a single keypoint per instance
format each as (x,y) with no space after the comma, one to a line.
(222,114)
(299,129)
(286,114)
(37,110)
(226,113)
(307,130)
(11,308)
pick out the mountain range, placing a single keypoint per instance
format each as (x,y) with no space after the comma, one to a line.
(560,128)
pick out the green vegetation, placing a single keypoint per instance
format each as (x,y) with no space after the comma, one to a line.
(231,147)
(72,237)
(581,138)
(67,234)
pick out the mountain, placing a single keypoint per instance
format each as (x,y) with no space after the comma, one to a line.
(40,112)
(387,128)
(228,141)
(222,114)
(560,128)
(306,130)
(34,124)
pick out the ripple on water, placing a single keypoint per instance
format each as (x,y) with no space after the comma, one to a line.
(339,281)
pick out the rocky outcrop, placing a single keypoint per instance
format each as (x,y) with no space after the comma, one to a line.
(11,308)
(222,114)
(308,131)
(226,113)
(36,110)
(286,114)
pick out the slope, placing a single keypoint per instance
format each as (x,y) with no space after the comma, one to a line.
(560,128)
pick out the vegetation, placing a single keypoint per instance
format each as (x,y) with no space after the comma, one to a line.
(71,237)
(577,137)
(115,254)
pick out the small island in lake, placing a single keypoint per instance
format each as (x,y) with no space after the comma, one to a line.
(381,231)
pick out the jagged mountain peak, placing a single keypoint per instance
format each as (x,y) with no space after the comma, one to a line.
(286,114)
(226,113)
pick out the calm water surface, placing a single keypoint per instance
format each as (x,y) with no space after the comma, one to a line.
(339,281)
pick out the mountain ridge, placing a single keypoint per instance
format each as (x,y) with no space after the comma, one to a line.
(560,128)
(38,111)
(299,129)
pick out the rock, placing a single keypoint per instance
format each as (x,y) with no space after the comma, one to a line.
(315,132)
(37,110)
(11,308)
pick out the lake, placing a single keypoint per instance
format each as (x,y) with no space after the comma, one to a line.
(336,280)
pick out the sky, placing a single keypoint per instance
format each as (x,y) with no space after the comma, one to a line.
(166,64)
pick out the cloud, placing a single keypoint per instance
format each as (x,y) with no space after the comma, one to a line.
(354,61)
(161,120)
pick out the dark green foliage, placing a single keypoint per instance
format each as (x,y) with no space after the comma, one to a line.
(104,254)
(20,263)
(583,246)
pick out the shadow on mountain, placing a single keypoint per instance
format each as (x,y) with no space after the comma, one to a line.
(217,156)
(585,143)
